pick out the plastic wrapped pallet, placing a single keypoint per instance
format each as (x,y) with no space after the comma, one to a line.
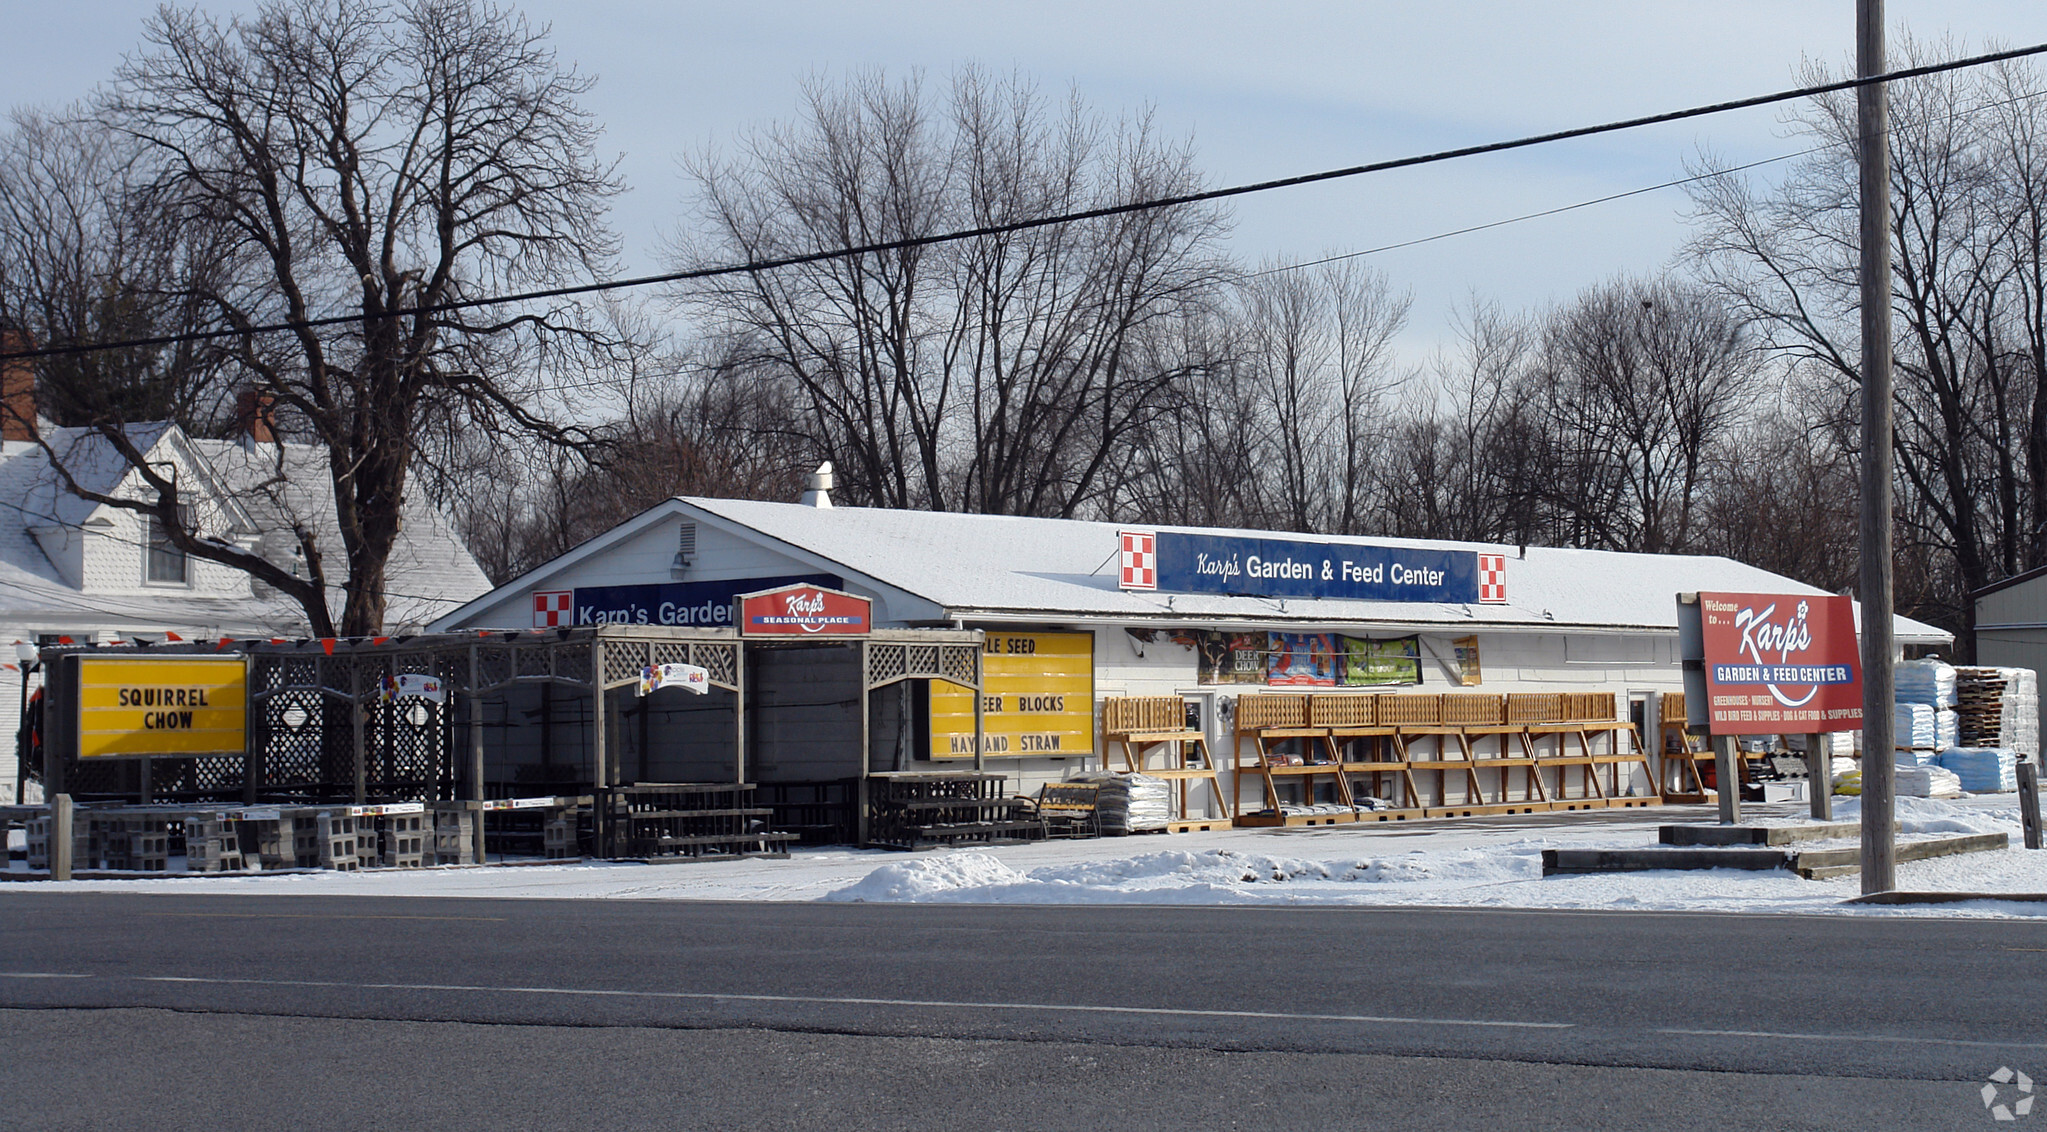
(1930,682)
(1913,725)
(1129,803)
(1927,782)
(1983,770)
(2021,711)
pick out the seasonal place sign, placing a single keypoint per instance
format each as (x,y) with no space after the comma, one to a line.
(1220,564)
(181,706)
(1780,663)
(804,611)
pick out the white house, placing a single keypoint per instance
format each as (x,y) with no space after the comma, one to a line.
(95,574)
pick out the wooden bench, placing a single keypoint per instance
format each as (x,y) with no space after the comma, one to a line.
(1070,809)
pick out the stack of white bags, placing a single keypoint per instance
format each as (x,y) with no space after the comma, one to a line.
(2021,711)
(1927,782)
(1930,682)
(1913,725)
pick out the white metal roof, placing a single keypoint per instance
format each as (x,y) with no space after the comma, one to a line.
(1003,567)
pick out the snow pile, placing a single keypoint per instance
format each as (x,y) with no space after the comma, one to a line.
(1931,816)
(1213,876)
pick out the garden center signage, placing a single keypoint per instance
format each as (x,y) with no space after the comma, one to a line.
(1039,698)
(805,610)
(1780,663)
(1261,567)
(698,605)
(178,706)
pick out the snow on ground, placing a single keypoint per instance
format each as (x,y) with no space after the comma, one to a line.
(1471,862)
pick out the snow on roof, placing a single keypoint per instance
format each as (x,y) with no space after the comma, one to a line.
(1004,565)
(430,571)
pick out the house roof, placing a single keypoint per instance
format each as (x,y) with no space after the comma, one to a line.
(431,571)
(1004,566)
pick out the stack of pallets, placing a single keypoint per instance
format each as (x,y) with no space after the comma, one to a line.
(907,810)
(692,821)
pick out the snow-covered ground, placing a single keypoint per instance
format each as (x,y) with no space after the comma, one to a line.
(1472,862)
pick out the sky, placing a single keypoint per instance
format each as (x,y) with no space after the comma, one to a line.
(1265,90)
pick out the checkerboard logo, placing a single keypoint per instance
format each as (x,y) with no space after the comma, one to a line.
(1492,579)
(553,608)
(1140,560)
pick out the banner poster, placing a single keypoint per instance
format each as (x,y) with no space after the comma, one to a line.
(1369,664)
(1232,658)
(1301,660)
(1468,673)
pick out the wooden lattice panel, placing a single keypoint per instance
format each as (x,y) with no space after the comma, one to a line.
(1410,710)
(1585,707)
(1262,711)
(1124,715)
(1471,710)
(1535,707)
(1672,707)
(1343,711)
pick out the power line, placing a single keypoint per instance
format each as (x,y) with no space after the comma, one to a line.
(1063,218)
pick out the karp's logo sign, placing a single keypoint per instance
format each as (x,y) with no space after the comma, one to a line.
(177,706)
(804,611)
(1779,663)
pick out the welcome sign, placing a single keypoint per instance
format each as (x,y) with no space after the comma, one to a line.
(1778,663)
(1220,564)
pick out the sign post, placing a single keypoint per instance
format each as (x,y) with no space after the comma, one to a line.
(1770,664)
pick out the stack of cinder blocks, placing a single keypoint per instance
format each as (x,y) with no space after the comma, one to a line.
(135,844)
(82,856)
(402,841)
(559,836)
(337,841)
(453,844)
(213,844)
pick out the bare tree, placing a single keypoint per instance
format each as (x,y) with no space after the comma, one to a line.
(995,374)
(378,160)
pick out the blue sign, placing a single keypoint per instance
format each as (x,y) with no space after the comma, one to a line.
(1783,674)
(699,605)
(1214,564)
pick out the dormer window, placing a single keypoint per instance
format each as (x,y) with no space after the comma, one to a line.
(163,561)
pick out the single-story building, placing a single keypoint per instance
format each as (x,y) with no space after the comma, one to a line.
(1078,613)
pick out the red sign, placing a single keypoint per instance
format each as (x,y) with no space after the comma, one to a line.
(804,611)
(553,608)
(1138,559)
(1781,664)
(1492,579)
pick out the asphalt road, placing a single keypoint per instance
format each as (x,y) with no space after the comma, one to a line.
(222,1012)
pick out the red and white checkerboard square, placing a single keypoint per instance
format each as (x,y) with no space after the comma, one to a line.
(1140,560)
(553,608)
(1492,579)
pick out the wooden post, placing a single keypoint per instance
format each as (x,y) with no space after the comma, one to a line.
(739,712)
(142,783)
(1819,773)
(1727,778)
(473,817)
(253,735)
(60,837)
(355,715)
(599,771)
(2029,801)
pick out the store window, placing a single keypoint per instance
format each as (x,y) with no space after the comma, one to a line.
(163,561)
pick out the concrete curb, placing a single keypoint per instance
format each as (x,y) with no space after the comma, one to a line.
(1946,897)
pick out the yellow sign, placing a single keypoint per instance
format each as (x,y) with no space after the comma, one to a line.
(1039,698)
(176,706)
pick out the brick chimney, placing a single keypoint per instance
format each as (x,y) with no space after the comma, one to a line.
(254,416)
(17,388)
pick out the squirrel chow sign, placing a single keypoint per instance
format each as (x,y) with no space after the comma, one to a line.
(1780,664)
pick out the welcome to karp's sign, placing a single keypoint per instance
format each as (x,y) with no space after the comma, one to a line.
(176,706)
(1780,663)
(1219,564)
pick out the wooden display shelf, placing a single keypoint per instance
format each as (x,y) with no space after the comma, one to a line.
(1150,727)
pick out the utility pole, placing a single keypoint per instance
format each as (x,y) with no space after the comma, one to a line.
(1872,119)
